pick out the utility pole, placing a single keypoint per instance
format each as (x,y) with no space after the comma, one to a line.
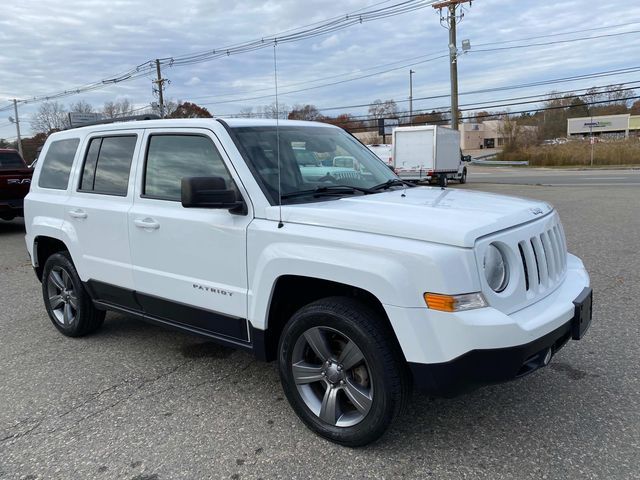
(411,72)
(450,23)
(160,83)
(15,110)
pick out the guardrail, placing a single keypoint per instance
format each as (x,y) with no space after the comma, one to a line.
(482,161)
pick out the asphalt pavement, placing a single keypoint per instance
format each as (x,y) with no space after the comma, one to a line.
(137,401)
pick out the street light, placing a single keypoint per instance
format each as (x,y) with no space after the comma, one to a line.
(411,72)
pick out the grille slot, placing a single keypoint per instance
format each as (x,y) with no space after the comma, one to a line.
(544,258)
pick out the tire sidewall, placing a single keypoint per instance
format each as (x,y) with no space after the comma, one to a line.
(382,410)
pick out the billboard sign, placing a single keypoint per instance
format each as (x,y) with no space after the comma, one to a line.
(386,125)
(610,123)
(77,119)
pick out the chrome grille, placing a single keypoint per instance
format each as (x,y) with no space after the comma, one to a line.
(544,258)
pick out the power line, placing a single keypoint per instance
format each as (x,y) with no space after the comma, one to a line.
(546,97)
(236,100)
(491,115)
(573,78)
(301,33)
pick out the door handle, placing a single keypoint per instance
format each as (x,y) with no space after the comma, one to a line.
(77,213)
(148,223)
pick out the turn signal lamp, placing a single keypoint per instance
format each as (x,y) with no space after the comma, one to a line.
(454,303)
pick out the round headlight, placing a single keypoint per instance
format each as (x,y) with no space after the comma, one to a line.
(495,269)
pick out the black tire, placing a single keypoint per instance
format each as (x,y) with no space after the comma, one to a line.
(383,365)
(463,178)
(62,289)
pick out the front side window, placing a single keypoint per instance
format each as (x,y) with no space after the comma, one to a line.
(312,159)
(107,165)
(57,163)
(170,158)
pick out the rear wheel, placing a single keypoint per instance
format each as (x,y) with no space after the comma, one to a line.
(463,178)
(340,371)
(69,306)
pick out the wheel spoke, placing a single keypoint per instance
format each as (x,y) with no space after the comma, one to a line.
(67,315)
(317,341)
(66,278)
(350,356)
(55,301)
(329,408)
(361,400)
(73,300)
(306,373)
(56,279)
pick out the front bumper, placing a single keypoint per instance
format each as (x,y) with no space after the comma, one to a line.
(484,367)
(453,352)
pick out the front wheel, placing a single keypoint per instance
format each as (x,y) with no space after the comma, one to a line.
(342,371)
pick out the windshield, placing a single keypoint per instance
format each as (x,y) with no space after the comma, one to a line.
(312,159)
(10,160)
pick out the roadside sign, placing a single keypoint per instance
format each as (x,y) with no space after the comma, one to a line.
(77,119)
(386,125)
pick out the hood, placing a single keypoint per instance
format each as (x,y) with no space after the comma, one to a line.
(446,216)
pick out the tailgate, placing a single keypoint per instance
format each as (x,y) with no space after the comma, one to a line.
(14,184)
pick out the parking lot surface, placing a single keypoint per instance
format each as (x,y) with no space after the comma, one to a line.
(137,401)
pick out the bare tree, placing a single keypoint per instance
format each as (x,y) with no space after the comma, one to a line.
(270,111)
(81,107)
(246,112)
(380,109)
(304,112)
(50,116)
(121,108)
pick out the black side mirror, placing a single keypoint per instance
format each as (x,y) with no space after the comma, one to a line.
(210,192)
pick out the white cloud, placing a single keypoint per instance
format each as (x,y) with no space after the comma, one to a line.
(193,81)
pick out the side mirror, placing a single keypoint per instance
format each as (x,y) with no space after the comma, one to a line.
(210,192)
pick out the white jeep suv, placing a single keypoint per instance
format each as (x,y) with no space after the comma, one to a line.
(360,285)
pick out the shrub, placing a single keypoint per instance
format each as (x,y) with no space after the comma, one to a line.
(578,153)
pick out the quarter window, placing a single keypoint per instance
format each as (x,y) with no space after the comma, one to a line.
(57,163)
(107,165)
(173,157)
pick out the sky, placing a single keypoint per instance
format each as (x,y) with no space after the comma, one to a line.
(47,46)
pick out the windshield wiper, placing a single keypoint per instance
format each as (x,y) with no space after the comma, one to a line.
(326,190)
(391,183)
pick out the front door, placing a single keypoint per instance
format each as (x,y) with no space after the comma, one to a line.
(189,264)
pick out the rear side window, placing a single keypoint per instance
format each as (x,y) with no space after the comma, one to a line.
(57,163)
(107,165)
(172,157)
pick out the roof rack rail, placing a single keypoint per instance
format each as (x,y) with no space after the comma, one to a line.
(130,118)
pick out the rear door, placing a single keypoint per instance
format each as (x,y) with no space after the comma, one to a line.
(97,212)
(189,264)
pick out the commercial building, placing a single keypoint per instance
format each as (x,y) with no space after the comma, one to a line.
(614,126)
(488,134)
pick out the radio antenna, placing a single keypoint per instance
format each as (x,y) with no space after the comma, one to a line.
(275,77)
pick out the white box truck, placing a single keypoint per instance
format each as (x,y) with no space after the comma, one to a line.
(428,153)
(383,151)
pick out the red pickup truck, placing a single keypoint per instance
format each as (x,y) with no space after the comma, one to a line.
(15,180)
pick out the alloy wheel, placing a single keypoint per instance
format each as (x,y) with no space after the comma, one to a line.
(62,296)
(332,376)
